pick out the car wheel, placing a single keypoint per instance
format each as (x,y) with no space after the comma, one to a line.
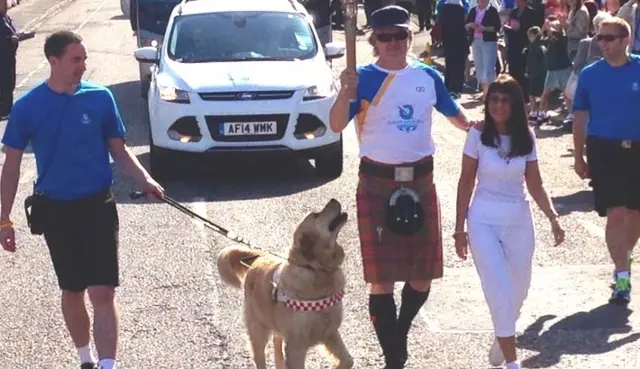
(159,163)
(145,84)
(329,164)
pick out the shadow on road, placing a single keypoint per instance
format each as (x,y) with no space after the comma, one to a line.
(562,337)
(474,102)
(581,201)
(210,180)
(133,109)
(548,132)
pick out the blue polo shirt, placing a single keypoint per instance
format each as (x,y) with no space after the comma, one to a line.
(611,95)
(77,127)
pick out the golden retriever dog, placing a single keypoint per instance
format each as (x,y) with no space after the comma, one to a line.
(297,301)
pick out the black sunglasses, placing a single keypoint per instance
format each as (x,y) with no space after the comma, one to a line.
(387,37)
(496,99)
(607,38)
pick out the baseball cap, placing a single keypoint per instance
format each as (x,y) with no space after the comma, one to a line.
(390,16)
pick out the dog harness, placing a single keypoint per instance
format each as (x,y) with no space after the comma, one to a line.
(301,305)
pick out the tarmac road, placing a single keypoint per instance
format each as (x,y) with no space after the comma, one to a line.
(177,314)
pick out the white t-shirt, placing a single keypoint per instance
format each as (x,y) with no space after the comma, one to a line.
(394,109)
(499,195)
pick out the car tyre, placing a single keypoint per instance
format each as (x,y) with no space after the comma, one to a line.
(145,85)
(159,164)
(330,163)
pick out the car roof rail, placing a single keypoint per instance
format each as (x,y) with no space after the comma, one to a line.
(294,4)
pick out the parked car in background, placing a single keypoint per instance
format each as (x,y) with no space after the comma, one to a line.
(244,77)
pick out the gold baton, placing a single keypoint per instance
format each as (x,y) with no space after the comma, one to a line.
(349,11)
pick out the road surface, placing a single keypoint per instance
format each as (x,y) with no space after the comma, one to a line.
(175,311)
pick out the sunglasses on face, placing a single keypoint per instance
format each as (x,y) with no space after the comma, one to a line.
(607,38)
(496,99)
(387,37)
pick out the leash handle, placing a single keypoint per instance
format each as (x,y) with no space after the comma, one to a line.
(136,195)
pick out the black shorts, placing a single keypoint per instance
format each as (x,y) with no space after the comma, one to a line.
(614,167)
(536,85)
(82,237)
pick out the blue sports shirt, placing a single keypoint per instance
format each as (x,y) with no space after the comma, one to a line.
(69,134)
(611,95)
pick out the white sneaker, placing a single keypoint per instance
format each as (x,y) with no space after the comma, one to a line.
(496,358)
(513,365)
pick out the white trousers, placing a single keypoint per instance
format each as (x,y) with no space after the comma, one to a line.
(503,256)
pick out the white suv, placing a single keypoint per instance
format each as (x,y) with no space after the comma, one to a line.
(242,77)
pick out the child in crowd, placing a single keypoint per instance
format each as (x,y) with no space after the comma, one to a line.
(536,72)
(558,64)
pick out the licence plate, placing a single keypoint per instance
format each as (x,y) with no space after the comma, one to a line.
(248,128)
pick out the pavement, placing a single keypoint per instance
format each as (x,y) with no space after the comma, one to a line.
(175,311)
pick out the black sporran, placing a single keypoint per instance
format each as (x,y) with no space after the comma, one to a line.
(404,214)
(34,208)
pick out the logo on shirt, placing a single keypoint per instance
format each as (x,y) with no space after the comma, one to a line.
(86,119)
(406,123)
(635,86)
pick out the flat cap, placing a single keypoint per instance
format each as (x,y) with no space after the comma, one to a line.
(390,16)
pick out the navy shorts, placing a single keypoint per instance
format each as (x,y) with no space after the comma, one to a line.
(82,237)
(614,168)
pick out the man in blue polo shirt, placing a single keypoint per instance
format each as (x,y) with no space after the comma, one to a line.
(608,92)
(73,126)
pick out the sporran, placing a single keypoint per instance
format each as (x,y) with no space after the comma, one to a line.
(404,214)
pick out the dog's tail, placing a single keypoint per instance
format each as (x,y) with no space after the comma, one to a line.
(233,261)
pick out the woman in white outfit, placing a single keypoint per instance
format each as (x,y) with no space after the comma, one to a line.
(501,154)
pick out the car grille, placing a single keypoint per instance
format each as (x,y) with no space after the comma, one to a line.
(246,95)
(215,124)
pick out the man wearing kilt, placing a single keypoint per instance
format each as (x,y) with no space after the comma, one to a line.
(397,205)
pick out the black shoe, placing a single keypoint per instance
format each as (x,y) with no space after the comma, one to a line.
(89,366)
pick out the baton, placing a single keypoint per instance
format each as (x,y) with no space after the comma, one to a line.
(349,11)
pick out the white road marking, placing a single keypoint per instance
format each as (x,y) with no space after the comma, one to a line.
(592,228)
(76,30)
(28,176)
(37,22)
(199,206)
(432,324)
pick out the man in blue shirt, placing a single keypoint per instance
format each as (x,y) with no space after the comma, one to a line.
(73,126)
(608,92)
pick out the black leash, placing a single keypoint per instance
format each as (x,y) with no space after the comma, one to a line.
(211,225)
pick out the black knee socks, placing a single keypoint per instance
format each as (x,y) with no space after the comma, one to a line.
(412,301)
(382,310)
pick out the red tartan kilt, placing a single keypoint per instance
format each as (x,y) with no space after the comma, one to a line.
(388,257)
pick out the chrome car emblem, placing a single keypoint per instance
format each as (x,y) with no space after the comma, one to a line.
(245,96)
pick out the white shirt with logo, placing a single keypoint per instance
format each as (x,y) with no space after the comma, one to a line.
(394,112)
(500,196)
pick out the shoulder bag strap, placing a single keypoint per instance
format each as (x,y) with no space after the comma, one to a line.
(46,168)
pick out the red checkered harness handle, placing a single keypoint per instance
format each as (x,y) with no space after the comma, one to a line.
(313,305)
(299,305)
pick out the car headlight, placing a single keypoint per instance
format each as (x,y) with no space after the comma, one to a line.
(172,94)
(319,91)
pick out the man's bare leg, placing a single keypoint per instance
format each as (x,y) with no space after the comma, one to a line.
(633,227)
(76,319)
(105,324)
(620,244)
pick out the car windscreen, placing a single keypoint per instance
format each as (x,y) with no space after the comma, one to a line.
(241,36)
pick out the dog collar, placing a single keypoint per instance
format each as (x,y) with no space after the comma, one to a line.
(302,305)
